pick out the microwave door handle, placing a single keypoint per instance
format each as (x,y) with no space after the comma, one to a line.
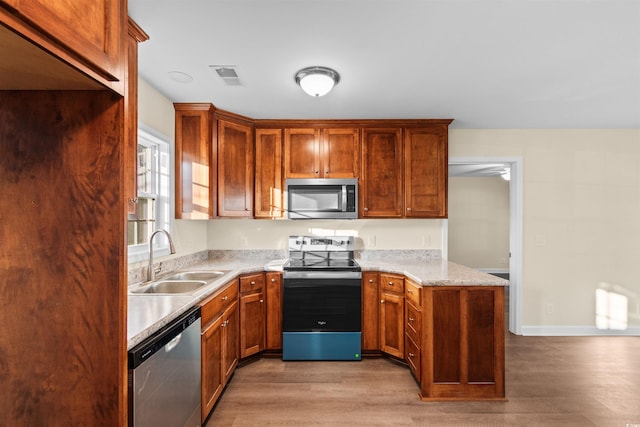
(344,198)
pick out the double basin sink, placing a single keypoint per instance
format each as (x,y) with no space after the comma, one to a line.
(181,283)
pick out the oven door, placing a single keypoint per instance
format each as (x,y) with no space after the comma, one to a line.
(321,316)
(328,303)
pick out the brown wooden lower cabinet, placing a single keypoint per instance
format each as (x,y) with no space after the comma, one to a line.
(252,314)
(463,343)
(392,315)
(370,312)
(273,335)
(219,340)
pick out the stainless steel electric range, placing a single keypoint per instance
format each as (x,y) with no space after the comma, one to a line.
(322,300)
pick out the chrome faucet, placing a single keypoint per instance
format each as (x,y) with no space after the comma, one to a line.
(151,274)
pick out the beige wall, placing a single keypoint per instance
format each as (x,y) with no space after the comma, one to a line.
(479,222)
(371,233)
(581,219)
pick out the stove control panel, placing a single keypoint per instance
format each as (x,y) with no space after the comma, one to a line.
(321,243)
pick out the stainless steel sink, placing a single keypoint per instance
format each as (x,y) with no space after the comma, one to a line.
(170,287)
(197,275)
(180,283)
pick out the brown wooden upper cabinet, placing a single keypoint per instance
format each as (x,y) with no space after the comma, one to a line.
(195,161)
(404,172)
(235,168)
(97,49)
(425,172)
(381,182)
(269,183)
(321,153)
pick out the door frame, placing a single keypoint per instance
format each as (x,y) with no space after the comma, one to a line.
(515,232)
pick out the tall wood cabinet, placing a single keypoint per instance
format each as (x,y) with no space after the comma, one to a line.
(63,268)
(196,161)
(235,165)
(269,184)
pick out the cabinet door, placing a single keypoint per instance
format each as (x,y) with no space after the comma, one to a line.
(230,341)
(211,364)
(340,152)
(392,324)
(302,153)
(381,190)
(136,35)
(235,169)
(268,192)
(92,32)
(273,339)
(195,161)
(252,327)
(426,172)
(370,312)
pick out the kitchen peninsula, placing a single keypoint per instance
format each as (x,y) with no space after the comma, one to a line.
(446,321)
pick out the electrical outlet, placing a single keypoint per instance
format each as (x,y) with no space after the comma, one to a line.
(426,241)
(371,241)
(548,307)
(243,242)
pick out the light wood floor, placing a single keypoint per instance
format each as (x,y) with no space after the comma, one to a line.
(580,381)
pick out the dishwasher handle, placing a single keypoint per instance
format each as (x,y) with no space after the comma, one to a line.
(168,335)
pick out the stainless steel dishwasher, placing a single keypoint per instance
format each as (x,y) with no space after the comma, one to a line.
(164,376)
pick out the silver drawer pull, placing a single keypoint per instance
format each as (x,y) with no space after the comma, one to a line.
(381,301)
(224,298)
(253,283)
(390,283)
(261,301)
(410,319)
(411,355)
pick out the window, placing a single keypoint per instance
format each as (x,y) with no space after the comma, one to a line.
(153,210)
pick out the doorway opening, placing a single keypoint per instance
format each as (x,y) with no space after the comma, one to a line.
(509,169)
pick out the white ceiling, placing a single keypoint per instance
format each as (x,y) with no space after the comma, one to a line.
(485,63)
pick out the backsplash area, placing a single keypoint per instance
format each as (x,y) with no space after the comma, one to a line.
(139,274)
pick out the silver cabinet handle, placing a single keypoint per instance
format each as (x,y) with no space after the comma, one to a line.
(273,280)
(410,319)
(366,209)
(411,354)
(253,283)
(261,301)
(381,301)
(224,298)
(408,209)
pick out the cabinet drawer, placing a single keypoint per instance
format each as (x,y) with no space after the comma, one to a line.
(413,357)
(413,322)
(213,306)
(413,292)
(392,283)
(252,283)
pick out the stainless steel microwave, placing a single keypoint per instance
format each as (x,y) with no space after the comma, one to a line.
(329,198)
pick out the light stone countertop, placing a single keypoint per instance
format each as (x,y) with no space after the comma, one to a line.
(147,314)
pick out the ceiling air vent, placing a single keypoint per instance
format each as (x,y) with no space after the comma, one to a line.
(228,74)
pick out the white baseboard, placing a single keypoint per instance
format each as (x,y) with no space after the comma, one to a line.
(576,331)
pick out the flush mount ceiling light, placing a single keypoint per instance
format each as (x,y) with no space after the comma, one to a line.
(317,81)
